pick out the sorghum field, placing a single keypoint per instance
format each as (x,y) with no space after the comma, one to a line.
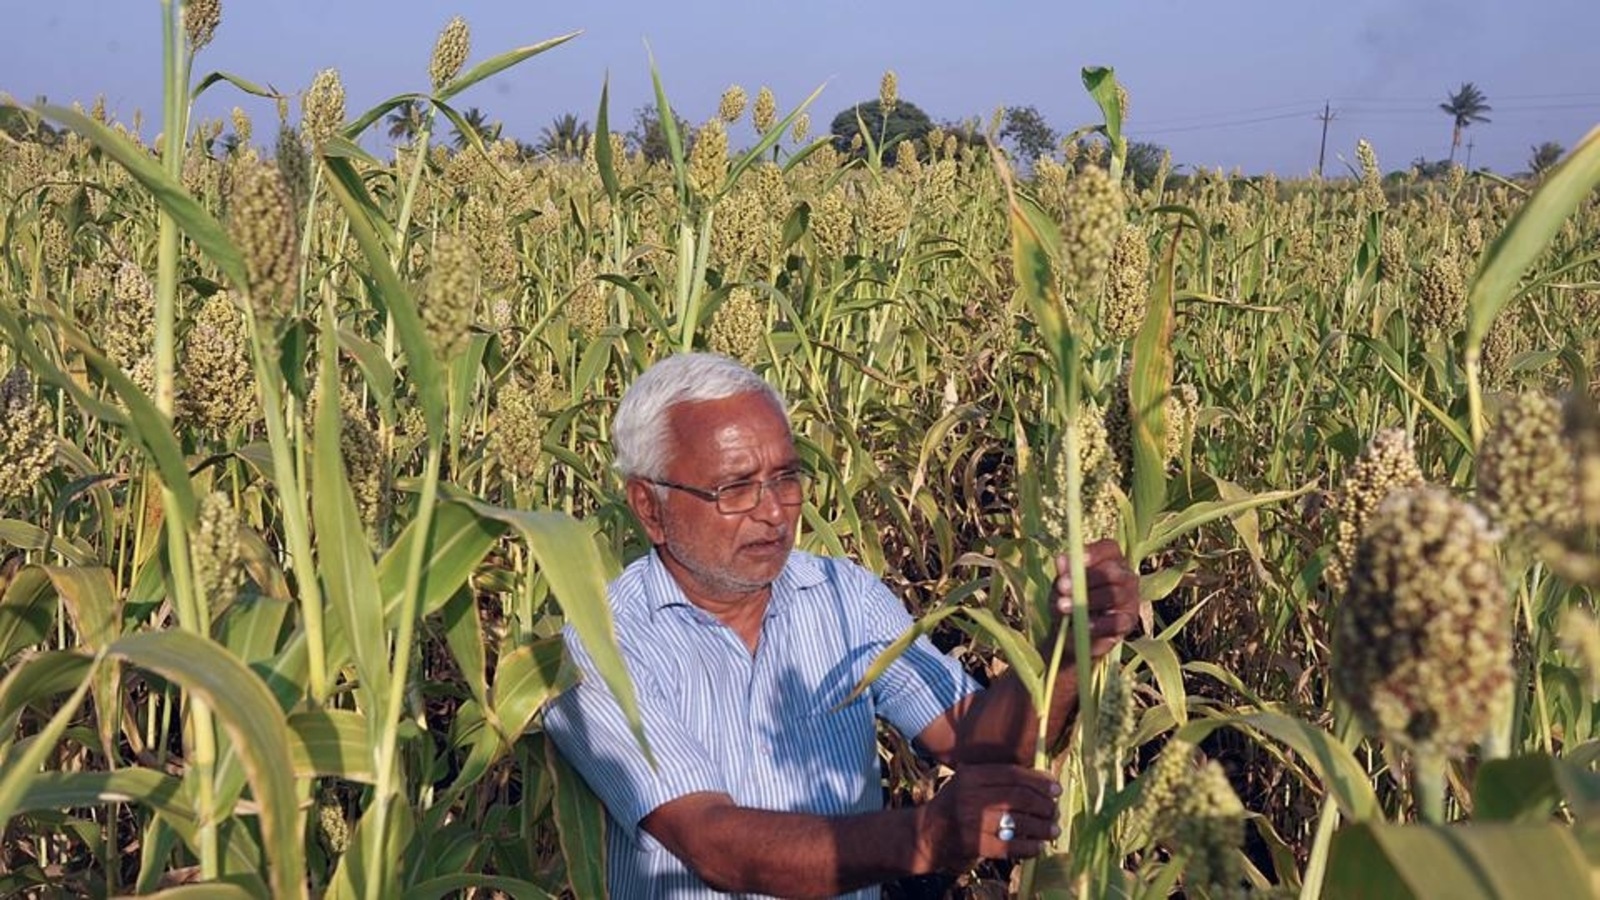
(304,464)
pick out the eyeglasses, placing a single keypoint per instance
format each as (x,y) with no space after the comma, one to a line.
(742,496)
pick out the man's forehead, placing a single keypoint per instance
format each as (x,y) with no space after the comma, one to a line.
(703,421)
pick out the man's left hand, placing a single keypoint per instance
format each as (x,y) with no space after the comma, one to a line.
(1112,589)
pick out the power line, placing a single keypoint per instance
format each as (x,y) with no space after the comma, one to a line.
(1184,118)
(1497,97)
(1204,126)
(1203,121)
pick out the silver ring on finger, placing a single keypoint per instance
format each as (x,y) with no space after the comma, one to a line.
(1007,827)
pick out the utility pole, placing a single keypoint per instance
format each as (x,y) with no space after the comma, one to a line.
(1326,117)
(1469,154)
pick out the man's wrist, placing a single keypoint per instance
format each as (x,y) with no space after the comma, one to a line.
(924,842)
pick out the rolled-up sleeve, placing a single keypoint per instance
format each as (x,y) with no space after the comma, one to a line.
(590,730)
(922,683)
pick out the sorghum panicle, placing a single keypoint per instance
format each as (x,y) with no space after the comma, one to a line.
(744,230)
(888,93)
(449,52)
(1181,408)
(1422,643)
(1116,717)
(708,158)
(363,455)
(801,128)
(765,111)
(1127,287)
(1442,296)
(1160,786)
(517,433)
(1210,826)
(587,309)
(732,104)
(887,215)
(906,163)
(1100,473)
(27,437)
(1370,197)
(130,325)
(242,127)
(322,109)
(216,380)
(1392,262)
(1527,468)
(1388,464)
(215,549)
(1580,641)
(450,295)
(739,326)
(832,224)
(1091,218)
(200,21)
(294,165)
(1192,809)
(263,225)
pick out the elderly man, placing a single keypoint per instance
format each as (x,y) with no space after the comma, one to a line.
(744,652)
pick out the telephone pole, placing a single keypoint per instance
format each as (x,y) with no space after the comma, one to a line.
(1326,117)
(1469,154)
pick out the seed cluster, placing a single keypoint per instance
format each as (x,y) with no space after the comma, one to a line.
(1116,717)
(216,380)
(1127,287)
(323,108)
(1099,489)
(731,106)
(215,549)
(1422,644)
(449,52)
(1181,409)
(1091,217)
(200,21)
(1388,464)
(708,158)
(27,438)
(832,224)
(262,224)
(739,326)
(1370,197)
(450,295)
(1442,297)
(765,113)
(587,310)
(516,436)
(1194,810)
(1527,478)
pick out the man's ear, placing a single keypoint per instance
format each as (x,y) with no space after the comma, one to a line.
(646,506)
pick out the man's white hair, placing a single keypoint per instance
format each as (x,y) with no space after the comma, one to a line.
(640,438)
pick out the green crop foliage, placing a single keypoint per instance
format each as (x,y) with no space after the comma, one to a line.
(345,701)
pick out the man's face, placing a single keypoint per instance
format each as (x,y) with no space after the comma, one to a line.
(716,556)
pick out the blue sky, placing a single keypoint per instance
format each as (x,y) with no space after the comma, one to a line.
(1226,83)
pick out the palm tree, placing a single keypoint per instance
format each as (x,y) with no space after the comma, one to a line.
(1465,107)
(564,137)
(405,121)
(477,120)
(1545,156)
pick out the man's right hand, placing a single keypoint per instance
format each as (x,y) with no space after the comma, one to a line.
(961,824)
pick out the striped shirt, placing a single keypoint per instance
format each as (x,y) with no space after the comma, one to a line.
(766,729)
